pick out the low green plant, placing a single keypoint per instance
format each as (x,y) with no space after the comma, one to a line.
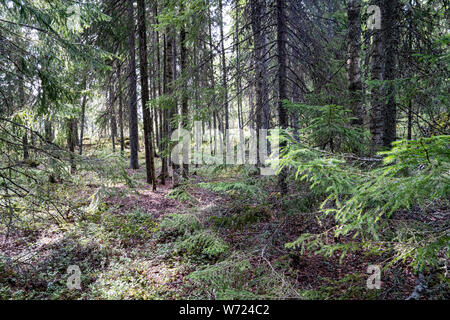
(181,194)
(178,225)
(363,202)
(237,189)
(135,225)
(244,216)
(328,127)
(203,245)
(351,287)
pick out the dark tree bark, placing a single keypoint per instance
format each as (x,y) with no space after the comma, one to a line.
(148,125)
(224,74)
(22,105)
(262,109)
(184,101)
(377,92)
(71,143)
(120,111)
(168,90)
(133,119)
(354,61)
(239,84)
(383,67)
(82,120)
(158,113)
(282,78)
(48,130)
(391,33)
(173,110)
(212,80)
(112,115)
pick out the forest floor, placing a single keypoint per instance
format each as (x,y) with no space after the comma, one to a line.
(221,235)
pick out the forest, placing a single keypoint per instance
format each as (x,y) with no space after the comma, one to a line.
(224,150)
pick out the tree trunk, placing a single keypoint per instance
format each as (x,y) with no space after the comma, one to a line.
(22,105)
(224,76)
(71,143)
(173,110)
(83,119)
(167,88)
(282,78)
(148,125)
(113,116)
(391,33)
(212,80)
(354,61)
(120,111)
(185,101)
(48,129)
(377,92)
(262,107)
(159,136)
(383,66)
(134,136)
(238,88)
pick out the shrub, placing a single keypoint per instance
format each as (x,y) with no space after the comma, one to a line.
(363,202)
(176,225)
(203,245)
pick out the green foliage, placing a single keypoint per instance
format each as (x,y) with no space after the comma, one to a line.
(136,225)
(176,225)
(181,194)
(109,167)
(238,278)
(414,173)
(203,245)
(351,287)
(132,279)
(241,189)
(329,126)
(242,217)
(46,275)
(226,280)
(190,238)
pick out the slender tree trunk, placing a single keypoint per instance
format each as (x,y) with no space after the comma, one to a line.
(212,81)
(75,130)
(148,125)
(184,101)
(384,68)
(251,104)
(410,50)
(282,78)
(82,121)
(262,108)
(120,111)
(238,87)
(113,116)
(391,33)
(377,92)
(22,105)
(155,83)
(224,76)
(133,118)
(71,143)
(354,61)
(173,110)
(167,88)
(48,129)
(158,113)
